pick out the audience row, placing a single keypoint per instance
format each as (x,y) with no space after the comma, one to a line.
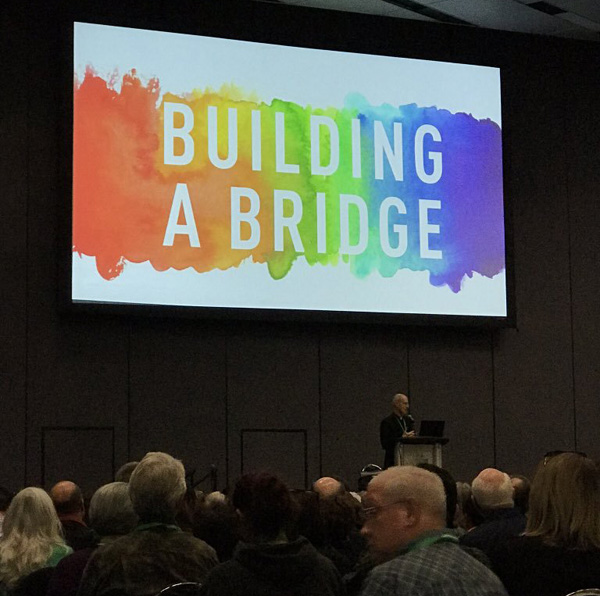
(413,530)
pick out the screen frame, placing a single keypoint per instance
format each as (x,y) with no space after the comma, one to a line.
(228,21)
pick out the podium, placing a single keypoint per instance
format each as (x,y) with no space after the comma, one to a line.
(419,450)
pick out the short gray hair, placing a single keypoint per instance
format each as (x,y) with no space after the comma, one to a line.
(414,484)
(111,512)
(156,487)
(492,489)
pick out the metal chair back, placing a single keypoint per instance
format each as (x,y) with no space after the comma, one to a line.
(182,589)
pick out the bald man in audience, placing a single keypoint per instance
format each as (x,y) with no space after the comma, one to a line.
(405,518)
(328,487)
(68,502)
(492,492)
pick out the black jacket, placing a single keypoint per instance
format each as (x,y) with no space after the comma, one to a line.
(390,432)
(497,527)
(528,567)
(290,569)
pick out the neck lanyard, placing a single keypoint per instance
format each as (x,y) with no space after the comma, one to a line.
(402,424)
(429,540)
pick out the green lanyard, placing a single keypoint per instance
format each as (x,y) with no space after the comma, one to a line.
(429,540)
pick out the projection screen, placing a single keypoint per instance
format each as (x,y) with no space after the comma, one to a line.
(219,173)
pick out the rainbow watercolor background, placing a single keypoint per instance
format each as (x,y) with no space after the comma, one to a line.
(123,191)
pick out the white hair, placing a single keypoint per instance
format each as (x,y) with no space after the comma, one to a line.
(414,484)
(492,489)
(31,531)
(156,487)
(111,512)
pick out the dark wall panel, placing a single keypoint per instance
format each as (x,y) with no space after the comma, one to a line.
(361,370)
(13,243)
(84,455)
(77,367)
(533,366)
(583,162)
(177,393)
(451,379)
(272,381)
(282,452)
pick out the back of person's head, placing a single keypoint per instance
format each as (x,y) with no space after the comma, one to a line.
(328,487)
(111,512)
(449,489)
(416,485)
(67,498)
(265,504)
(307,516)
(216,522)
(31,530)
(469,514)
(521,487)
(156,487)
(492,489)
(125,471)
(340,516)
(564,502)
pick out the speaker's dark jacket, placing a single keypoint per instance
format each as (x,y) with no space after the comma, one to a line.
(390,432)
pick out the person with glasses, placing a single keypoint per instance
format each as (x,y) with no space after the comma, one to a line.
(405,517)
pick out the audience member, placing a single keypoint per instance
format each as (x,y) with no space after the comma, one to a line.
(521,487)
(341,542)
(470,515)
(492,492)
(216,522)
(157,553)
(449,490)
(186,510)
(307,517)
(328,487)
(266,562)
(560,550)
(111,515)
(32,537)
(68,501)
(405,516)
(125,471)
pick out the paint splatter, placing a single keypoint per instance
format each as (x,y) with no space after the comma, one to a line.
(123,191)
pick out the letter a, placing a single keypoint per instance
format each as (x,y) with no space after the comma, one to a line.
(181,197)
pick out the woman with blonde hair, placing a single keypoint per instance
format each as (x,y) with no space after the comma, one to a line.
(32,537)
(559,551)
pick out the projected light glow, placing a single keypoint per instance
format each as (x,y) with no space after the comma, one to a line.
(210,172)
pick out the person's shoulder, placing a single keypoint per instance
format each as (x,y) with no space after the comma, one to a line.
(387,579)
(189,544)
(324,564)
(452,559)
